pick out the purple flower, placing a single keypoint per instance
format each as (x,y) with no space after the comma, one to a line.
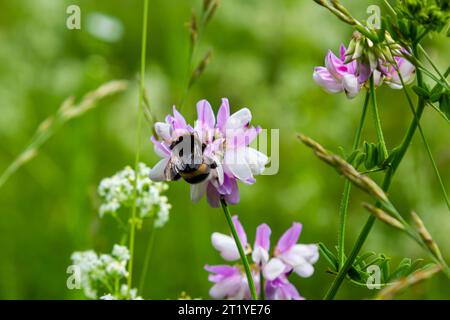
(298,258)
(225,151)
(225,244)
(288,257)
(229,282)
(281,289)
(260,254)
(407,72)
(338,76)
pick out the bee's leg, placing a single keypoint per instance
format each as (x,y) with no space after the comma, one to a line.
(171,173)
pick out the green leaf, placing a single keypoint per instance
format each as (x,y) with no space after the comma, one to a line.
(371,154)
(390,157)
(436,92)
(352,156)
(385,269)
(354,274)
(359,261)
(444,104)
(381,33)
(415,265)
(329,256)
(435,96)
(380,154)
(400,272)
(405,268)
(403,26)
(359,160)
(421,92)
(343,153)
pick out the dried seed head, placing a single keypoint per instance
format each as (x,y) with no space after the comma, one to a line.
(206,4)
(346,169)
(193,28)
(212,11)
(200,68)
(403,283)
(426,236)
(383,216)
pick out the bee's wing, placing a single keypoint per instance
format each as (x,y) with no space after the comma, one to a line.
(171,171)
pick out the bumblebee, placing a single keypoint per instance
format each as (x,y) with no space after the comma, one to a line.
(187,160)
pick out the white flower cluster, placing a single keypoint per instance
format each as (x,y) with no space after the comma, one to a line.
(118,191)
(123,294)
(102,273)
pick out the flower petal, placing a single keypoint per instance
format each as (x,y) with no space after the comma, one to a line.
(233,197)
(241,137)
(225,288)
(223,114)
(260,256)
(163,130)
(212,196)
(273,269)
(205,114)
(304,270)
(157,173)
(239,119)
(324,79)
(289,238)
(220,272)
(262,240)
(363,71)
(407,71)
(235,161)
(281,289)
(240,231)
(351,85)
(198,190)
(335,65)
(342,51)
(178,120)
(256,160)
(160,149)
(225,245)
(301,257)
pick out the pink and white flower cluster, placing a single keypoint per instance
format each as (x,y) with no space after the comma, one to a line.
(338,76)
(225,142)
(287,257)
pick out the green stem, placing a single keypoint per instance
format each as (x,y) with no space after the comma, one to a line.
(248,272)
(422,135)
(376,118)
(433,65)
(188,76)
(347,187)
(147,258)
(386,184)
(443,116)
(192,50)
(138,143)
(261,285)
(444,84)
(388,5)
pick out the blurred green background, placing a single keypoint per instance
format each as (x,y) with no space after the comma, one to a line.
(264,52)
